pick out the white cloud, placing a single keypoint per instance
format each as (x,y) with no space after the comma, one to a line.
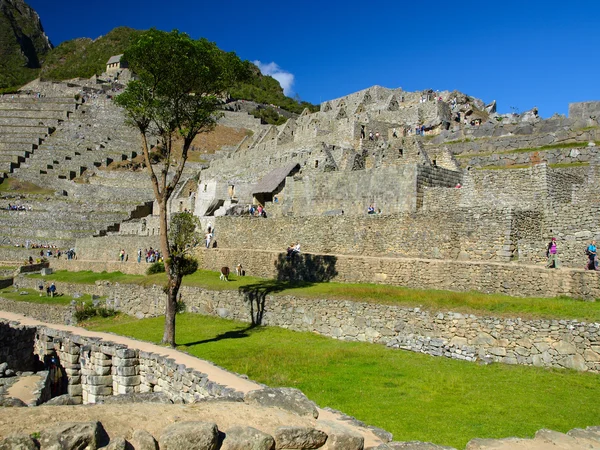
(286,79)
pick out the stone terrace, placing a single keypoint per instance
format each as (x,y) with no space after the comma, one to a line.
(27,121)
(86,137)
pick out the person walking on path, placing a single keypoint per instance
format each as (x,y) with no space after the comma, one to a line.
(552,254)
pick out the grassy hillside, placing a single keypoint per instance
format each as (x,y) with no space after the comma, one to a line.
(85,57)
(23,44)
(266,89)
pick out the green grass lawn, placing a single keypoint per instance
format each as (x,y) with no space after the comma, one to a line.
(33,296)
(414,396)
(465,302)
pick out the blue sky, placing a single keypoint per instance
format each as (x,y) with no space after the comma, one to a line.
(520,53)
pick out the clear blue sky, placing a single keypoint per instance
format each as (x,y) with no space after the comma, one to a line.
(520,53)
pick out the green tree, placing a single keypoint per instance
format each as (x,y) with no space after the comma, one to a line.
(180,84)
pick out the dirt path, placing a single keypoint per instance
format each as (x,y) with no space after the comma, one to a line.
(214,373)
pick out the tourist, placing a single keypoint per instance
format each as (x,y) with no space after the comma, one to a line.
(592,256)
(208,238)
(52,289)
(122,255)
(371,135)
(371,209)
(139,255)
(41,288)
(552,254)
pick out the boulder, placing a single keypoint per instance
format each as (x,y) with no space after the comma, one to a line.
(117,443)
(340,437)
(72,436)
(302,438)
(142,440)
(247,438)
(17,442)
(11,402)
(190,436)
(62,400)
(289,399)
(137,397)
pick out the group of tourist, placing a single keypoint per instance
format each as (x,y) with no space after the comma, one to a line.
(49,288)
(553,261)
(150,255)
(19,208)
(257,211)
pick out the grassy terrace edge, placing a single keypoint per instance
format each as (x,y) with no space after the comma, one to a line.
(559,308)
(542,148)
(414,396)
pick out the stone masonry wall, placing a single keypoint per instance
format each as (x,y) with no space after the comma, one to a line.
(16,347)
(549,343)
(97,369)
(473,234)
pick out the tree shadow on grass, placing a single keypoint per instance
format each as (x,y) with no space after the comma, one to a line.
(292,272)
(232,334)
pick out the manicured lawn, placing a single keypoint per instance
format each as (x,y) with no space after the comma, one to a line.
(33,296)
(466,302)
(414,396)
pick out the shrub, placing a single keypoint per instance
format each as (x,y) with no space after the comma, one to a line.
(88,310)
(157,267)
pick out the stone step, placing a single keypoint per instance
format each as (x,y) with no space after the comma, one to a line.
(9,152)
(33,233)
(29,122)
(34,114)
(61,100)
(7,216)
(16,146)
(17,129)
(27,138)
(38,107)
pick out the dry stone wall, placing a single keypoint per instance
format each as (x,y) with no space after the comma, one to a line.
(549,343)
(475,235)
(96,370)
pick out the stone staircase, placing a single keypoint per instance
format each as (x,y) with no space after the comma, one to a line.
(25,122)
(66,146)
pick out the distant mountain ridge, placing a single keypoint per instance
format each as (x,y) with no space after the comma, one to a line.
(23,43)
(26,53)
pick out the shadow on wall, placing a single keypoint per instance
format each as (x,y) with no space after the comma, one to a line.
(296,271)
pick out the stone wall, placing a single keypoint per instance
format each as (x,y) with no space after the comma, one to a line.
(107,248)
(549,343)
(16,346)
(53,314)
(476,235)
(97,369)
(584,110)
(583,154)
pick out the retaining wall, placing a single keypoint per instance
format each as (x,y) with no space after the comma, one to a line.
(95,369)
(549,343)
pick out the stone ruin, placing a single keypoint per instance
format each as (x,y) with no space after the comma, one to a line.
(523,179)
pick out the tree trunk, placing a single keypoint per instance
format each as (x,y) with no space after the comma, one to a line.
(172,287)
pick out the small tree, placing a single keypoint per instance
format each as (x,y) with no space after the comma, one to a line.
(179,87)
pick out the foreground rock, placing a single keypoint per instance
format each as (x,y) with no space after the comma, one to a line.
(247,438)
(190,436)
(72,436)
(289,399)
